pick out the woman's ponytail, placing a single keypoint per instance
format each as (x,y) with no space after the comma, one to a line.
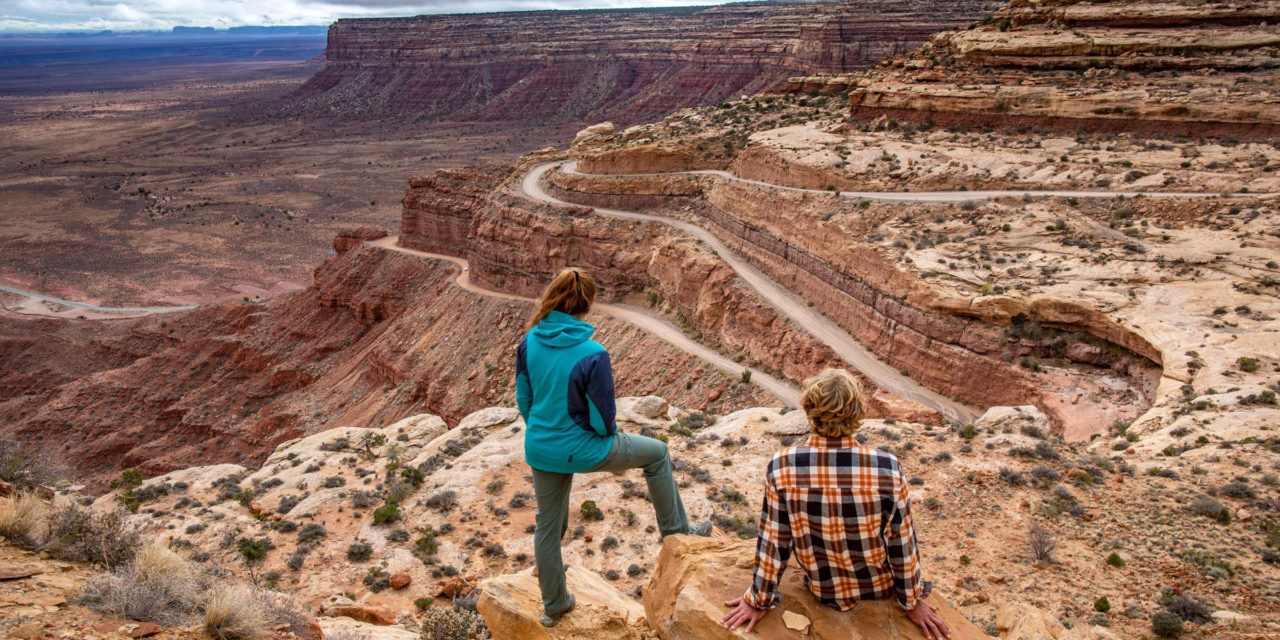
(572,291)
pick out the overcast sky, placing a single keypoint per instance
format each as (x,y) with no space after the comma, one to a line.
(94,15)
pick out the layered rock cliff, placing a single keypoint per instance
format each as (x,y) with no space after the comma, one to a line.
(379,335)
(1099,66)
(626,65)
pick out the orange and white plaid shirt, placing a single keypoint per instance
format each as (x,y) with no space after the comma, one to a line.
(845,511)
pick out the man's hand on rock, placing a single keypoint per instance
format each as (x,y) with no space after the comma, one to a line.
(927,619)
(742,613)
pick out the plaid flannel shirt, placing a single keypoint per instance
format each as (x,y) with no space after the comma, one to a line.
(844,510)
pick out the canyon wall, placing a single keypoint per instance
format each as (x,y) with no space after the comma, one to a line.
(514,245)
(957,347)
(1094,66)
(378,336)
(628,66)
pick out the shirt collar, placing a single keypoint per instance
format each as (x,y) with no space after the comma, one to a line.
(824,442)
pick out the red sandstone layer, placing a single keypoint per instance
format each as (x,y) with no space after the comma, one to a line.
(623,65)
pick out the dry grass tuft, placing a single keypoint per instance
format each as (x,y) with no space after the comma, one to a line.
(235,613)
(158,586)
(22,519)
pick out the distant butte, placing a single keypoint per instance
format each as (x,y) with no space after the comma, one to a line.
(627,66)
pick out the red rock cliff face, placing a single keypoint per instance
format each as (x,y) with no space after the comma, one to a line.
(378,336)
(622,65)
(514,245)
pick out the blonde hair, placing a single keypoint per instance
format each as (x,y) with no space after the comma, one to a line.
(834,402)
(572,291)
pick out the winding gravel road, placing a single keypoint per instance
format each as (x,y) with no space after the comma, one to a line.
(640,317)
(789,304)
(139,311)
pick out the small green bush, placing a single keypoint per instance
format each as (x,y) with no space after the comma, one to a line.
(389,512)
(590,511)
(424,603)
(1102,605)
(1115,560)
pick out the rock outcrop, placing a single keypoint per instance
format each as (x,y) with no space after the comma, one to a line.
(623,65)
(512,604)
(1099,66)
(695,576)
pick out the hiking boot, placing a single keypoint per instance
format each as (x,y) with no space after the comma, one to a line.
(702,529)
(549,620)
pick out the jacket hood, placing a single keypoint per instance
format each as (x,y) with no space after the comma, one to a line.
(561,330)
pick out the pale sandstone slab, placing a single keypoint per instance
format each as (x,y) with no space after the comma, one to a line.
(512,604)
(694,576)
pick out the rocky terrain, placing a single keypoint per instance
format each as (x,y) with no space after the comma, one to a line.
(1185,68)
(1017,529)
(628,65)
(378,336)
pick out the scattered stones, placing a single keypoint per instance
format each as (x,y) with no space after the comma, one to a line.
(17,571)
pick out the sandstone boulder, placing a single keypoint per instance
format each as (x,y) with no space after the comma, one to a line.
(1025,622)
(348,628)
(400,580)
(643,409)
(593,134)
(364,613)
(694,576)
(511,605)
(1013,419)
(894,406)
(15,571)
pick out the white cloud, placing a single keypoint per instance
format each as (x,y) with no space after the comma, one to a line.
(94,15)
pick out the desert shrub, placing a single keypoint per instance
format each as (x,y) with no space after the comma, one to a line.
(590,511)
(609,543)
(494,550)
(389,512)
(22,517)
(1238,490)
(364,499)
(424,603)
(1166,625)
(425,546)
(1013,478)
(443,501)
(453,623)
(80,535)
(287,503)
(398,535)
(235,612)
(400,491)
(1043,544)
(25,466)
(1188,608)
(310,532)
(157,586)
(1115,560)
(251,551)
(1206,506)
(333,482)
(196,528)
(359,551)
(520,500)
(377,579)
(1247,364)
(1102,605)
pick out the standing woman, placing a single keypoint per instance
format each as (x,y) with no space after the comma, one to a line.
(564,386)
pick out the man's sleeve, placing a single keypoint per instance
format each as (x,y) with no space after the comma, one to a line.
(524,391)
(773,548)
(904,558)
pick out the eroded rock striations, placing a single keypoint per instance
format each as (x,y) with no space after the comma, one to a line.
(625,65)
(379,335)
(1097,66)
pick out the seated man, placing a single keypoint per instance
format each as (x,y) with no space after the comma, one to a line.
(844,510)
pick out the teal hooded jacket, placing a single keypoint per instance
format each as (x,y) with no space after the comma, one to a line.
(564,387)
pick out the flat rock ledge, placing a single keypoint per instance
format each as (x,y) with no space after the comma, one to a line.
(512,605)
(694,576)
(684,600)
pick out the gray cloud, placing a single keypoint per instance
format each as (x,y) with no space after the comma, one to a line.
(93,15)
